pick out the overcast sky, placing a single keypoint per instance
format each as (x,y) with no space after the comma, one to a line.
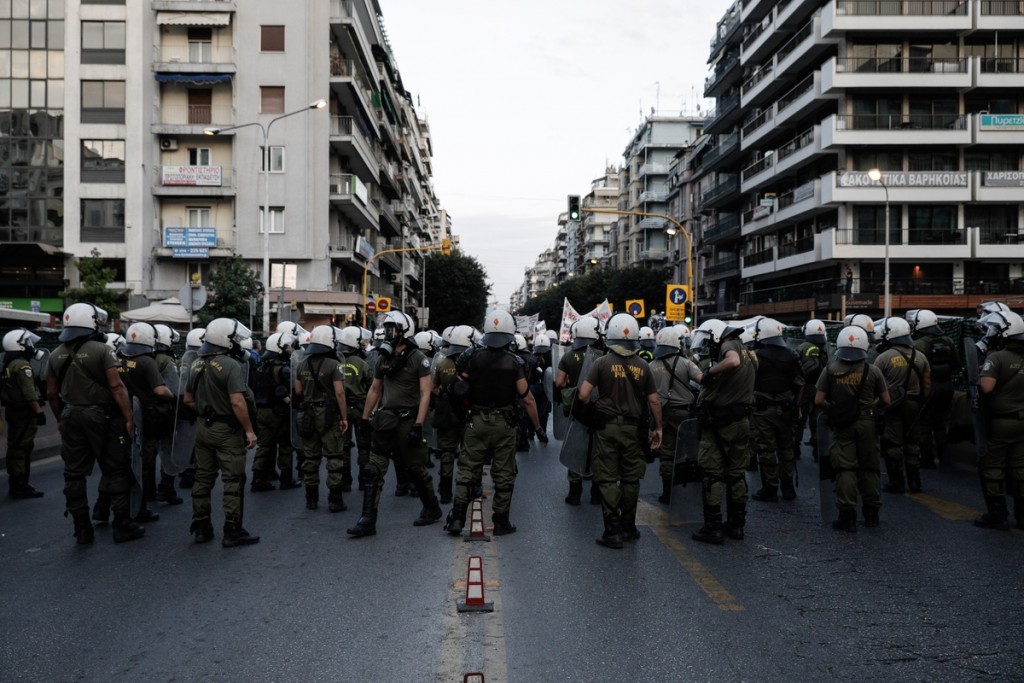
(528,102)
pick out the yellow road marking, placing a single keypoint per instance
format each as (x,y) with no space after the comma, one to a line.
(947,509)
(657,521)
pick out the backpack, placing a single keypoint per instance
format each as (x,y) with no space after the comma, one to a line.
(267,390)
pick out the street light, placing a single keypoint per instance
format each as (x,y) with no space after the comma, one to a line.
(265,130)
(876,175)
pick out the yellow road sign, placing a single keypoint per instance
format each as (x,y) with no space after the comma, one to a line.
(676,298)
(383,305)
(635,307)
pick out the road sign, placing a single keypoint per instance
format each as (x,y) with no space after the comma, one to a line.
(676,297)
(635,307)
(371,306)
(383,304)
(192,298)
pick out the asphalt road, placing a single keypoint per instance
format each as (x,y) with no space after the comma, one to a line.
(927,596)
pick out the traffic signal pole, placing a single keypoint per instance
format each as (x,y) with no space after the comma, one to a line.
(679,226)
(445,248)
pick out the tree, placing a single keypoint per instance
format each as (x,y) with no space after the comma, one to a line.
(94,278)
(232,284)
(457,290)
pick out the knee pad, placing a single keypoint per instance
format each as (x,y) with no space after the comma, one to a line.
(369,475)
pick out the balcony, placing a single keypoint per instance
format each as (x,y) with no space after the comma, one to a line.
(654,254)
(908,73)
(723,268)
(841,16)
(350,197)
(720,193)
(998,73)
(195,58)
(192,119)
(194,5)
(998,186)
(725,112)
(840,131)
(1000,15)
(758,128)
(347,139)
(652,168)
(193,181)
(654,194)
(350,85)
(725,30)
(726,147)
(723,77)
(651,224)
(726,228)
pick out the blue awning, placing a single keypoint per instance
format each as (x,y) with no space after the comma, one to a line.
(198,79)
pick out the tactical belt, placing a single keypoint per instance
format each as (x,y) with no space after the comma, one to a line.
(402,413)
(316,404)
(622,419)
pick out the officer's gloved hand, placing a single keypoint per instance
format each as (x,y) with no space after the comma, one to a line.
(708,379)
(415,437)
(542,435)
(41,418)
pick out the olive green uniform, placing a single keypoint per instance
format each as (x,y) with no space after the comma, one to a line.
(141,376)
(854,453)
(776,388)
(18,390)
(936,413)
(317,374)
(1001,466)
(449,422)
(220,440)
(813,359)
(672,376)
(273,425)
(358,378)
(901,435)
(572,364)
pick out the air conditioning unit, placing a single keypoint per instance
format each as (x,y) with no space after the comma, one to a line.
(168,144)
(352,288)
(396,278)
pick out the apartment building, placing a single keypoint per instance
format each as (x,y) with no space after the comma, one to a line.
(163,168)
(811,96)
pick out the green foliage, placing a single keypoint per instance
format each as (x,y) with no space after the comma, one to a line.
(232,284)
(94,278)
(587,291)
(457,290)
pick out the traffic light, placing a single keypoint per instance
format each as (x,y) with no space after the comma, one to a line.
(688,313)
(574,207)
(446,246)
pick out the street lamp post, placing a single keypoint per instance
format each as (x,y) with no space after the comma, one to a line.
(876,175)
(265,130)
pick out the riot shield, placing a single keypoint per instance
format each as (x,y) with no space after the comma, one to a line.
(136,498)
(972,367)
(549,384)
(559,420)
(577,446)
(685,502)
(826,477)
(297,357)
(183,440)
(172,380)
(40,364)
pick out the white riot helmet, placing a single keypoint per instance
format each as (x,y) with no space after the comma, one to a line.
(194,339)
(767,331)
(1004,325)
(747,338)
(140,339)
(541,343)
(499,329)
(351,339)
(852,343)
(82,320)
(585,332)
(520,342)
(323,339)
(992,307)
(924,321)
(623,330)
(713,331)
(667,342)
(114,341)
(551,335)
(246,344)
(446,334)
(165,336)
(894,330)
(398,326)
(291,328)
(223,334)
(281,343)
(20,340)
(459,339)
(647,340)
(424,341)
(814,331)
(864,322)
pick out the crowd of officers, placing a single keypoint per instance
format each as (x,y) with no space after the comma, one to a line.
(885,391)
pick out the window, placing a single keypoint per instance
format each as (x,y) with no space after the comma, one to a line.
(102,101)
(868,222)
(272,38)
(199,217)
(997,223)
(199,156)
(276,220)
(990,161)
(885,160)
(272,99)
(102,161)
(103,42)
(200,45)
(934,225)
(102,220)
(276,159)
(932,161)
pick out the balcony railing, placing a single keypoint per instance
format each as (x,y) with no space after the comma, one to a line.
(915,8)
(992,65)
(753,35)
(758,166)
(796,144)
(1002,8)
(756,77)
(792,292)
(759,257)
(723,266)
(906,65)
(868,236)
(899,121)
(728,226)
(930,236)
(197,53)
(723,188)
(797,91)
(798,37)
(723,68)
(724,107)
(654,195)
(724,30)
(757,122)
(800,246)
(196,114)
(724,146)
(1003,236)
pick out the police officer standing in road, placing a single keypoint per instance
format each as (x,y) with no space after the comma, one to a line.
(542,352)
(449,410)
(95,419)
(358,378)
(217,392)
(23,410)
(401,385)
(849,391)
(777,392)
(497,378)
(813,357)
(585,334)
(167,364)
(271,392)
(673,373)
(944,360)
(323,416)
(908,375)
(627,395)
(723,407)
(1001,382)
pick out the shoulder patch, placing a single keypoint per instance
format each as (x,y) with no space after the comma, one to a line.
(426,363)
(28,371)
(987,366)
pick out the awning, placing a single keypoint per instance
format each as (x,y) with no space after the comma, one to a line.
(193,18)
(198,79)
(320,309)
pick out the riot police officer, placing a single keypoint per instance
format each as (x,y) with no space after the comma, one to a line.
(777,391)
(23,409)
(449,411)
(358,379)
(585,334)
(272,391)
(522,349)
(723,407)
(95,419)
(674,375)
(944,360)
(168,366)
(216,390)
(647,344)
(849,390)
(628,423)
(542,353)
(813,355)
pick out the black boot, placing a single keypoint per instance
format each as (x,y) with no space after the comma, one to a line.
(870,516)
(788,490)
(126,529)
(146,515)
(733,527)
(1018,511)
(165,491)
(767,493)
(666,491)
(431,511)
(312,497)
(101,510)
(367,524)
(20,489)
(346,479)
(847,521)
(84,532)
(444,490)
(201,530)
(913,479)
(996,517)
(456,519)
(612,536)
(595,493)
(187,478)
(260,484)
(288,482)
(896,483)
(575,493)
(502,527)
(711,532)
(335,503)
(235,535)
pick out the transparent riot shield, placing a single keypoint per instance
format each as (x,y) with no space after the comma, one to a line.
(183,440)
(40,364)
(549,384)
(972,367)
(172,380)
(136,498)
(559,420)
(296,360)
(826,477)
(685,503)
(578,444)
